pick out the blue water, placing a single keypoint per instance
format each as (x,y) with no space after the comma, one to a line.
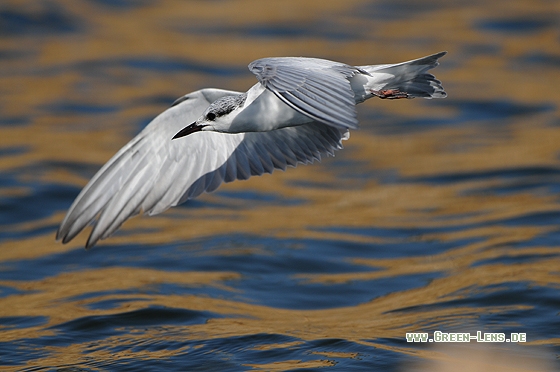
(437,215)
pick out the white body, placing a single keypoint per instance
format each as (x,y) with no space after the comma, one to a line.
(263,112)
(300,109)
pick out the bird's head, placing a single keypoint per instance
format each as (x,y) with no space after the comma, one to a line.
(217,117)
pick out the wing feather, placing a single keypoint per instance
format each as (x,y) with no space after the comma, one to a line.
(317,88)
(153,172)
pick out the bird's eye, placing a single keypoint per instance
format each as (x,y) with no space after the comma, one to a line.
(210,116)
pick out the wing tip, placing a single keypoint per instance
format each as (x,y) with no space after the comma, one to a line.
(65,235)
(91,242)
(59,235)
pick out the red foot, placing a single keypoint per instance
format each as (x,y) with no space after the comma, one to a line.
(390,94)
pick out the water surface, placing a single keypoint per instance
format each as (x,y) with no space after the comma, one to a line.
(439,215)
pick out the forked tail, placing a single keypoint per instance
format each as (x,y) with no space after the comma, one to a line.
(402,80)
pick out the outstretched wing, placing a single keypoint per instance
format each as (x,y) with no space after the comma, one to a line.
(315,87)
(152,172)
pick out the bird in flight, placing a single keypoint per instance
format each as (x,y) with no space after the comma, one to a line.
(300,109)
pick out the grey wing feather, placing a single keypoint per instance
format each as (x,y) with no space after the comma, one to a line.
(262,152)
(152,172)
(130,172)
(317,88)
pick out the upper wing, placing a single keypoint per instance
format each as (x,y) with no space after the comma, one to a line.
(317,88)
(152,172)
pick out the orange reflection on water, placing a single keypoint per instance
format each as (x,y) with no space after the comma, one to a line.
(82,95)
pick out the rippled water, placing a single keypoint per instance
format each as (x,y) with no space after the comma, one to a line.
(438,215)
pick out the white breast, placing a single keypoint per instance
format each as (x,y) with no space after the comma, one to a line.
(263,111)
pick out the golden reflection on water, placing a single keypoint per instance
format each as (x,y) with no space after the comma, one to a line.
(174,30)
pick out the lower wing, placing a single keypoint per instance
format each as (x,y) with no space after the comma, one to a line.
(152,172)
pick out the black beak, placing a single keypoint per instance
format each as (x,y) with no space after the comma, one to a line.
(188,130)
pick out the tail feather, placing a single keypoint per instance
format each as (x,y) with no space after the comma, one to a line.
(409,77)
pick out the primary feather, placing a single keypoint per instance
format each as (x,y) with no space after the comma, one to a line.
(153,172)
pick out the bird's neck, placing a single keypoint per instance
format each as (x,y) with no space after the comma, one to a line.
(263,111)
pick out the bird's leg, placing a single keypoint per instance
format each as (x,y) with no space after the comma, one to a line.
(389,94)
